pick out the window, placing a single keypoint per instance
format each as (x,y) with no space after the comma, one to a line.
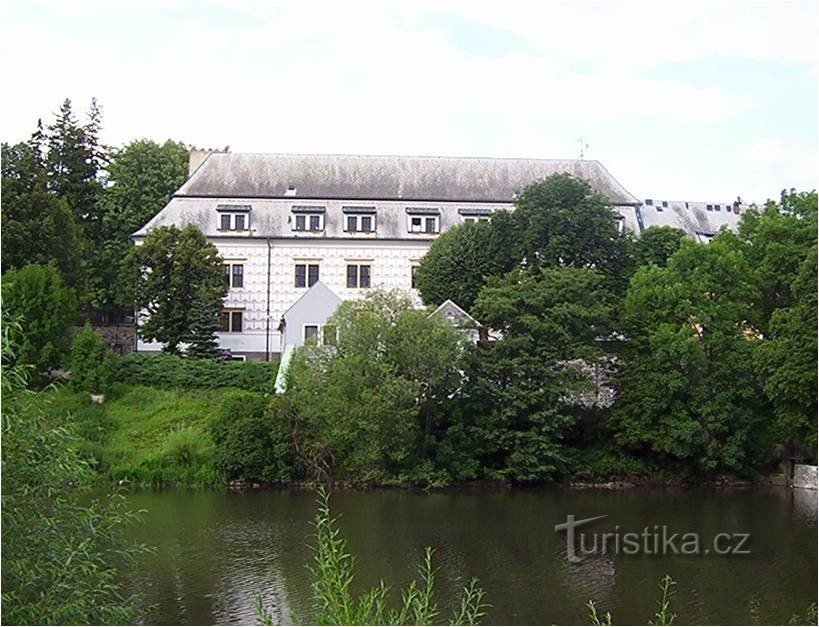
(423,219)
(716,207)
(665,203)
(709,207)
(358,275)
(311,332)
(307,274)
(234,274)
(235,220)
(359,223)
(649,202)
(238,275)
(230,321)
(413,279)
(308,218)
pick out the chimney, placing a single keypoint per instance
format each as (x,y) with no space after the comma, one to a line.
(195,159)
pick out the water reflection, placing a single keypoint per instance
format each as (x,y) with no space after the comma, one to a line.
(217,551)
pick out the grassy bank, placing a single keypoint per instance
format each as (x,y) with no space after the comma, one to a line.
(145,435)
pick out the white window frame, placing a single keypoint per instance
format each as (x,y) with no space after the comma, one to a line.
(307,218)
(423,217)
(232,219)
(357,218)
(319,333)
(306,263)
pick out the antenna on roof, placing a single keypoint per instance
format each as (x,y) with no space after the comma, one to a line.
(584,146)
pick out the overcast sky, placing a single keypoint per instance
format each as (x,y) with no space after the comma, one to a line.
(679,100)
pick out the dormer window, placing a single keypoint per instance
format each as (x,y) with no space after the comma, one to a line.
(423,220)
(359,219)
(475,214)
(233,217)
(308,219)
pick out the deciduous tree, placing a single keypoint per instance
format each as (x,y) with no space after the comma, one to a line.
(172,270)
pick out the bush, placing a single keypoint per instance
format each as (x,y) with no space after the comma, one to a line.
(172,371)
(252,439)
(36,297)
(88,370)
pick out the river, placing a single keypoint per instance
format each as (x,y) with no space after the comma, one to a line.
(216,551)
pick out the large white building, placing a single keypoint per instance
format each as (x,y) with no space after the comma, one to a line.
(284,222)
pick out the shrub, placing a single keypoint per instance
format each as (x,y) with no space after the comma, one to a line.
(252,439)
(45,307)
(172,371)
(187,452)
(88,370)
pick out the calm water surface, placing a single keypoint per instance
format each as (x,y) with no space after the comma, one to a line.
(216,551)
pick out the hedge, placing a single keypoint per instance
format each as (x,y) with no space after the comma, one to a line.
(171,371)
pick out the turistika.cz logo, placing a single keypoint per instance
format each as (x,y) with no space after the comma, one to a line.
(651,540)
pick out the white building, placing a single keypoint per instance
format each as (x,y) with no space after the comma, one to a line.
(284,222)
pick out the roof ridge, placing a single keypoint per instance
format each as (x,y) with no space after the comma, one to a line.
(397,156)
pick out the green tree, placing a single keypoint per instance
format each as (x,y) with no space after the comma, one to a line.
(72,166)
(561,221)
(687,391)
(204,323)
(656,244)
(140,179)
(46,308)
(787,361)
(39,228)
(169,272)
(460,261)
(382,386)
(776,241)
(557,222)
(520,387)
(62,552)
(88,368)
(252,437)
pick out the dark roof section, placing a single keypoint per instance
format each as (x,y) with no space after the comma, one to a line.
(350,177)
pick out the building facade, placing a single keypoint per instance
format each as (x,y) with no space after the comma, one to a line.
(282,223)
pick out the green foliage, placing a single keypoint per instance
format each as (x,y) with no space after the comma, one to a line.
(38,227)
(172,371)
(46,308)
(251,433)
(363,408)
(520,386)
(656,244)
(787,361)
(688,391)
(88,368)
(173,269)
(140,179)
(558,221)
(460,261)
(61,555)
(335,604)
(143,435)
(201,340)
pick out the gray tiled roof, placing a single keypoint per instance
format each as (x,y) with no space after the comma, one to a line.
(691,217)
(241,175)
